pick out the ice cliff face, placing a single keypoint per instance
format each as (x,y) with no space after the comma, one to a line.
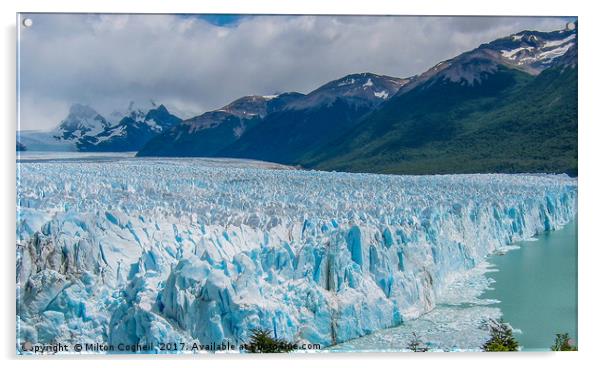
(141,251)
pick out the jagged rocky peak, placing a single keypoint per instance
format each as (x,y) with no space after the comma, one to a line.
(161,108)
(81,120)
(135,110)
(528,51)
(130,132)
(535,51)
(361,86)
(138,111)
(156,116)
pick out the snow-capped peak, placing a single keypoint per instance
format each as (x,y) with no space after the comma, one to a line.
(536,50)
(82,120)
(367,87)
(135,110)
(529,51)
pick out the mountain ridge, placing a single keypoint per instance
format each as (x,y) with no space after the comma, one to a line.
(132,132)
(84,129)
(444,126)
(259,126)
(454,117)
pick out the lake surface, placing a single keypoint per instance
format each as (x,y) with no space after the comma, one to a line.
(537,287)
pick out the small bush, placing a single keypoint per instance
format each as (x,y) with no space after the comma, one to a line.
(416,344)
(261,341)
(563,343)
(501,338)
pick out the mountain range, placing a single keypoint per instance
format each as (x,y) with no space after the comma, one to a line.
(132,132)
(86,130)
(507,106)
(277,128)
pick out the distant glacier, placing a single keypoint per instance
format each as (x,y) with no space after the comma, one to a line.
(159,250)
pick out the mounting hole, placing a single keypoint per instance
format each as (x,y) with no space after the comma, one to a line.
(27,22)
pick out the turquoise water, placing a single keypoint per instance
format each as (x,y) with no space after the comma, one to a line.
(537,287)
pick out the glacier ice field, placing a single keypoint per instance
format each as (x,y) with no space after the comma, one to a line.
(146,251)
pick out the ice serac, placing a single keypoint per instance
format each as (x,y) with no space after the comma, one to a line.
(206,250)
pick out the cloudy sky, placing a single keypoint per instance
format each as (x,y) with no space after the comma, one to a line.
(193,64)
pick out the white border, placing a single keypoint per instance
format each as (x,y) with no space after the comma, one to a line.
(589,167)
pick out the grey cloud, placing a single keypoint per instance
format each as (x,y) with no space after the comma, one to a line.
(192,65)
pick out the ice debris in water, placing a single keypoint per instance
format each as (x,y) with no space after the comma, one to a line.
(149,251)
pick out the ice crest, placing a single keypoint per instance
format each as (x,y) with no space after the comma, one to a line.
(145,250)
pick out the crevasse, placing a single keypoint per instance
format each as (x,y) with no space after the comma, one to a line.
(151,251)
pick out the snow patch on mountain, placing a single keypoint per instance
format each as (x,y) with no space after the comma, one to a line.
(511,54)
(559,42)
(346,82)
(535,49)
(117,131)
(549,55)
(382,94)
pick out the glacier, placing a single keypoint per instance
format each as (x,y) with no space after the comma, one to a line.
(148,251)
